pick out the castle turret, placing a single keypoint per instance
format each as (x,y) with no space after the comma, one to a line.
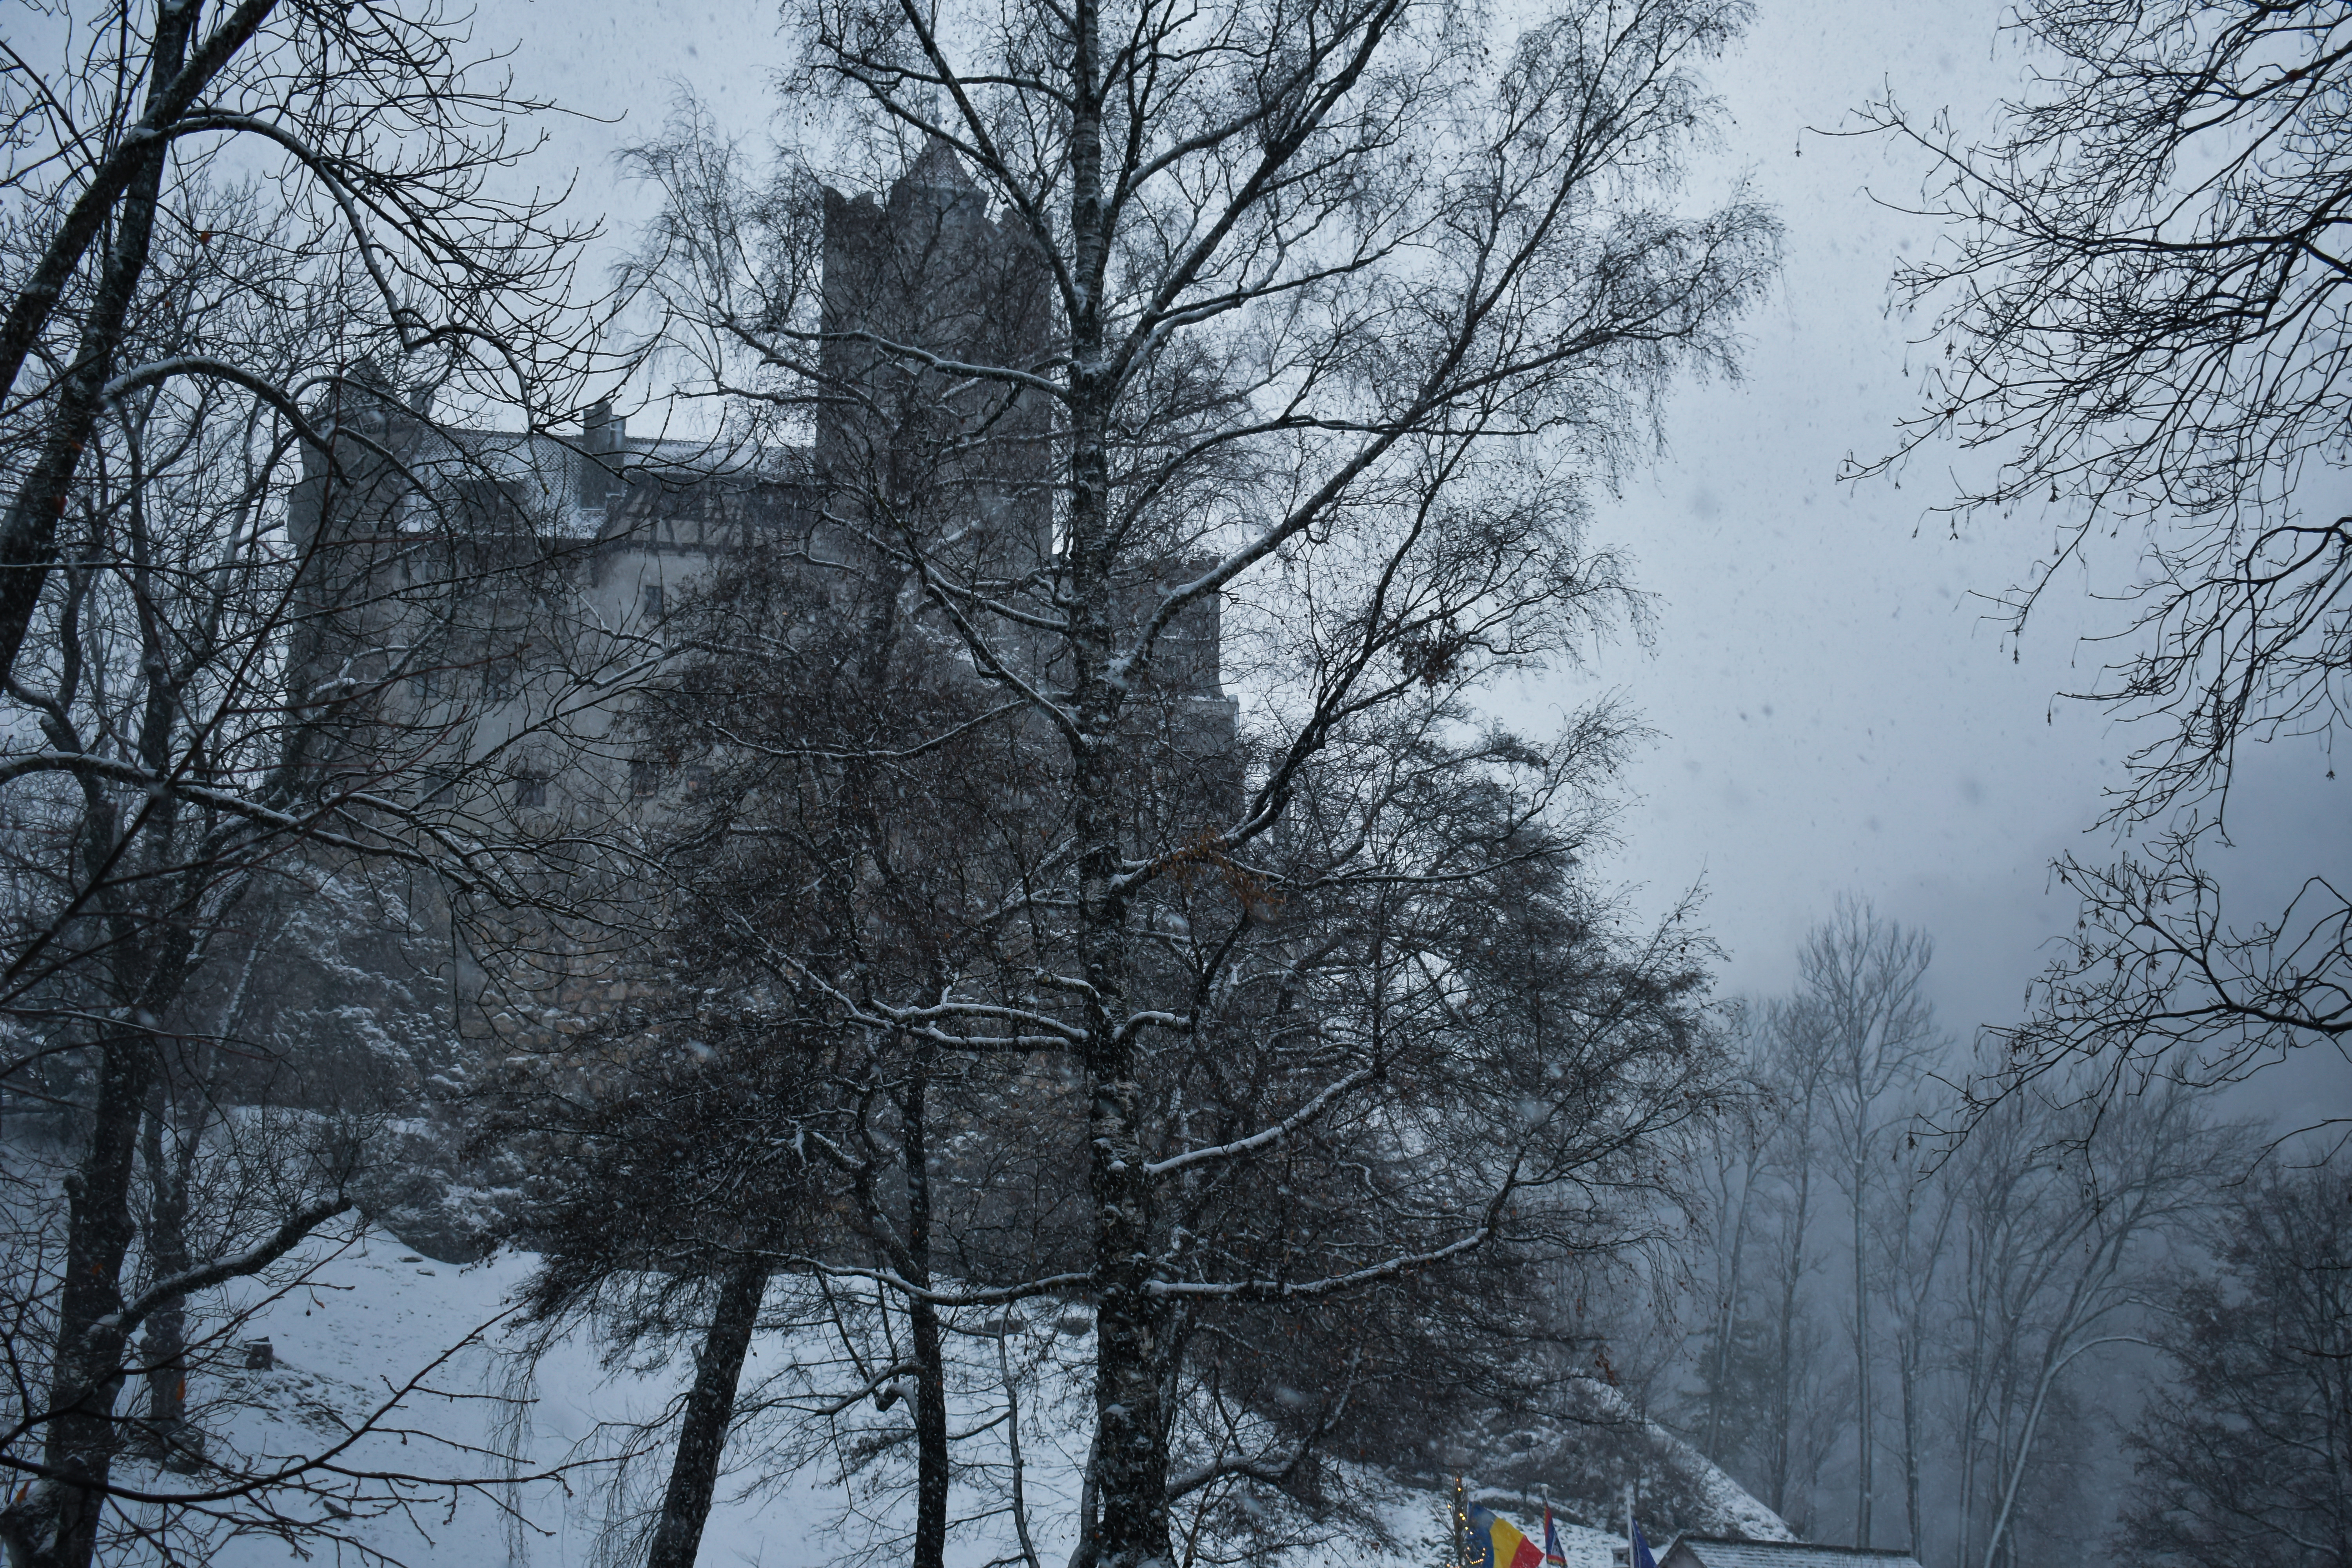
(924,277)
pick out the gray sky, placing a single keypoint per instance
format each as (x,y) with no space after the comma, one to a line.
(1834,713)
(1838,713)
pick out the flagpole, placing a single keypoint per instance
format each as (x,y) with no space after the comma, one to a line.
(1458,1522)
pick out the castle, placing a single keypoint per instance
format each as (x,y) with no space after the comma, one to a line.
(486,603)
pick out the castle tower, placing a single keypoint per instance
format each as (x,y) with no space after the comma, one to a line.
(919,449)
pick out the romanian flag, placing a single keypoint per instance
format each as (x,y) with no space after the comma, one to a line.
(1553,1556)
(1497,1543)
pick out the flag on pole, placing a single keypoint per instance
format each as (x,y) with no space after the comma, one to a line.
(1642,1558)
(1496,1542)
(1553,1556)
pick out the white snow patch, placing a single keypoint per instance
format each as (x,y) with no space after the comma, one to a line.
(366,1317)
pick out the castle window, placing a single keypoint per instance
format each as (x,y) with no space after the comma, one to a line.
(529,791)
(499,680)
(421,685)
(645,779)
(649,601)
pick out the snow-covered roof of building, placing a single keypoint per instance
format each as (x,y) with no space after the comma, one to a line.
(1707,1552)
(562,483)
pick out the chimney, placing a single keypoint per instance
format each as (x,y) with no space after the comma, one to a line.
(605,430)
(603,436)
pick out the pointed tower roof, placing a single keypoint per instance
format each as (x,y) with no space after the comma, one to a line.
(937,168)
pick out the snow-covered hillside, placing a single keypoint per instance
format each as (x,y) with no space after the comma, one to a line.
(370,1316)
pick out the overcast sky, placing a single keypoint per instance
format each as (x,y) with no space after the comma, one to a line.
(1835,712)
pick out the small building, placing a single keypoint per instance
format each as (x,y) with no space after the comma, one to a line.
(1709,1551)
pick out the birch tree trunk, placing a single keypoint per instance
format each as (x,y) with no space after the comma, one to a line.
(930,1402)
(1859,1188)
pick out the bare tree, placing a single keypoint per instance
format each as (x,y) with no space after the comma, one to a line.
(198,435)
(703,1115)
(1912,1252)
(830,863)
(374,124)
(1796,1072)
(2161,980)
(2143,323)
(1336,307)
(2059,1227)
(2010,1269)
(1735,1163)
(1860,1012)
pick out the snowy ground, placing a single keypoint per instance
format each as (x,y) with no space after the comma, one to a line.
(373,1316)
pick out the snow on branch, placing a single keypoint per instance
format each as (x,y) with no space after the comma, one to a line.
(1267,1137)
